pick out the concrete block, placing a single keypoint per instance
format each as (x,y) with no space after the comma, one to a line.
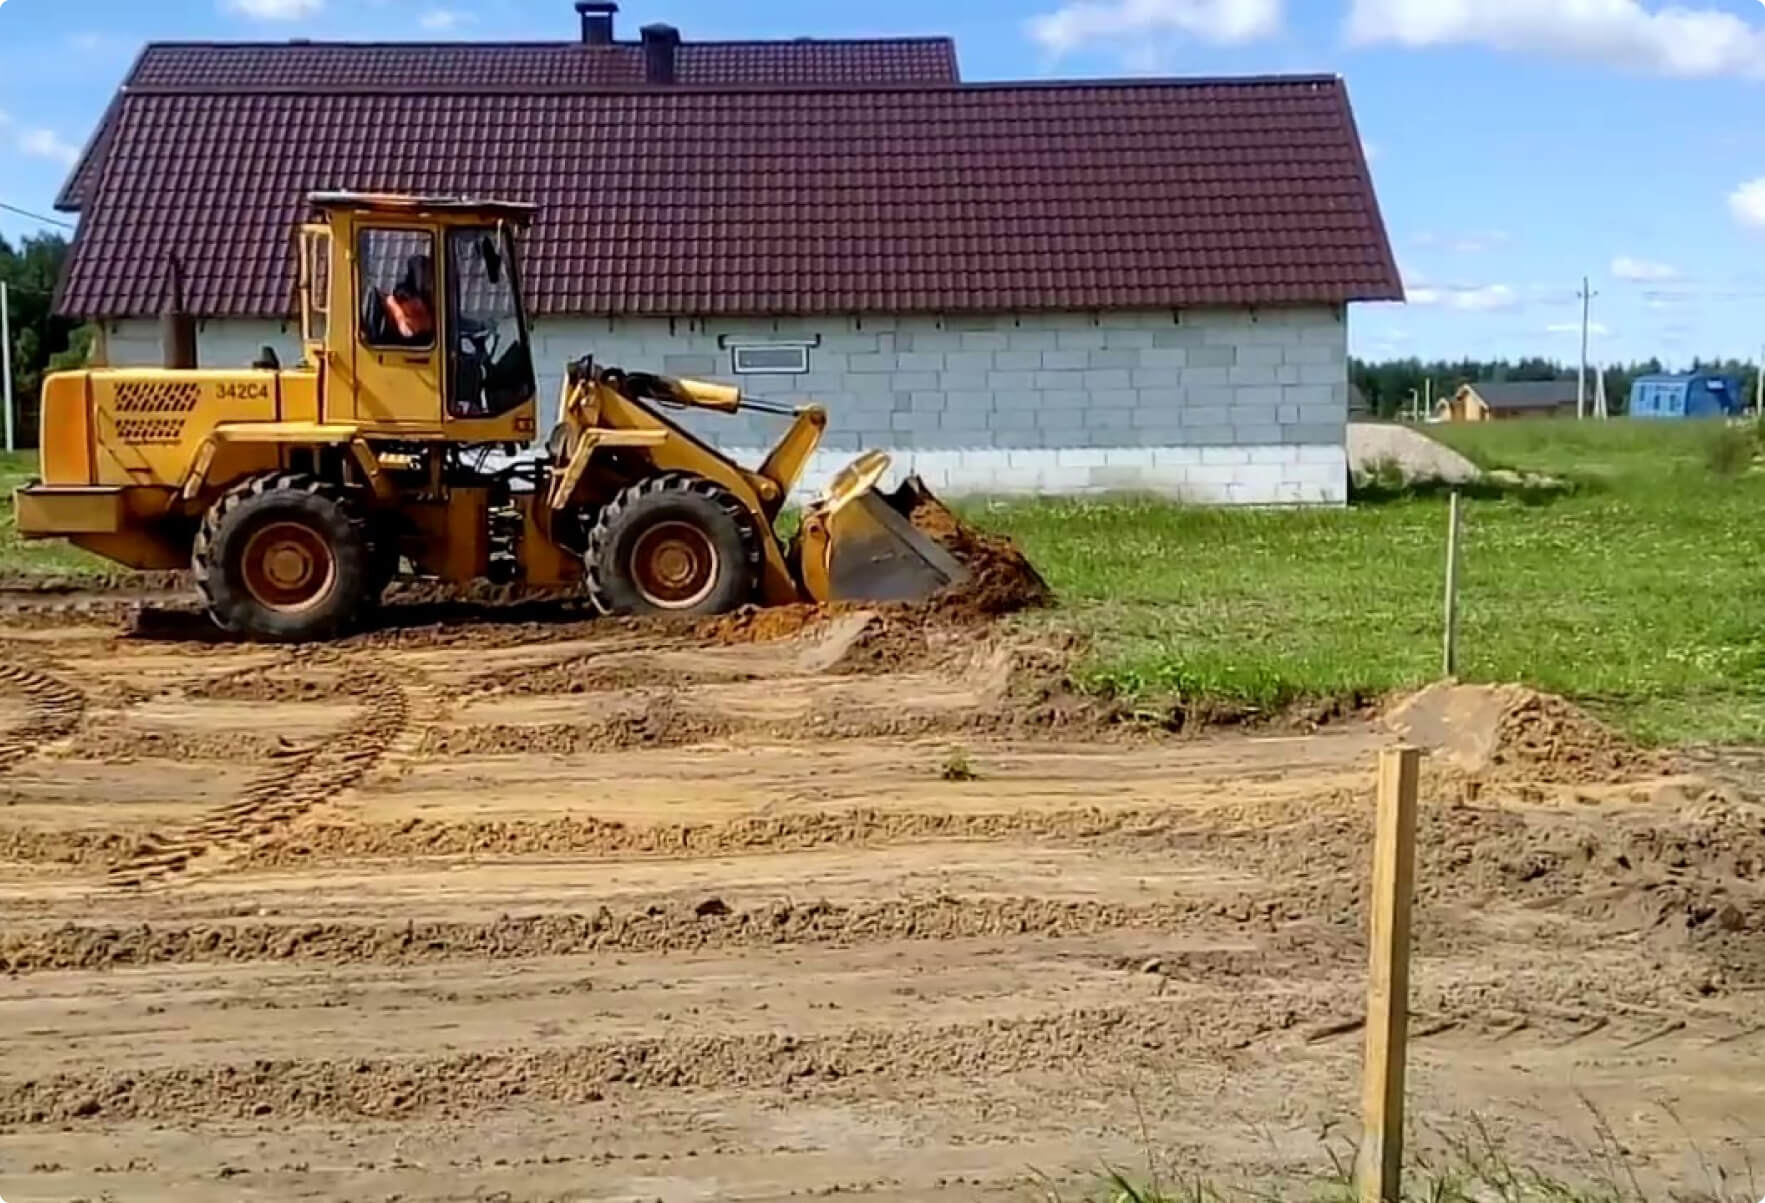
(1117,358)
(922,422)
(1134,339)
(1243,432)
(691,365)
(1315,432)
(1165,358)
(1314,453)
(1061,419)
(1080,457)
(927,401)
(919,361)
(1162,398)
(1182,458)
(1183,336)
(917,380)
(1082,338)
(1202,436)
(1017,361)
(1286,415)
(1003,381)
(1213,355)
(989,340)
(1320,397)
(1225,455)
(1250,377)
(1016,400)
(859,364)
(1112,398)
(980,401)
(1068,380)
(1065,399)
(1026,339)
(1057,361)
(1109,419)
(968,361)
(1157,419)
(1119,477)
(1157,378)
(1014,419)
(1207,415)
(975,323)
(965,419)
(1259,356)
(963,382)
(1105,378)
(1302,353)
(1200,379)
(1287,374)
(1260,397)
(1318,373)
(877,323)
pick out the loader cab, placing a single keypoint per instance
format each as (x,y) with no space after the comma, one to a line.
(413,313)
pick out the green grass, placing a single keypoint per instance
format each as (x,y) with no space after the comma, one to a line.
(49,557)
(1638,592)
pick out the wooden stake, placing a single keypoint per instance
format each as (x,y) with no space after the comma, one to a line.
(1388,979)
(1450,651)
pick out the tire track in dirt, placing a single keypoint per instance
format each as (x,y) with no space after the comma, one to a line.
(1126,1039)
(707,926)
(53,710)
(303,779)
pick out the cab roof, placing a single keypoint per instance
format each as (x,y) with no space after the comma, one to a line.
(384,202)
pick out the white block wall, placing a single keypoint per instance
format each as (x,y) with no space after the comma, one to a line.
(1218,406)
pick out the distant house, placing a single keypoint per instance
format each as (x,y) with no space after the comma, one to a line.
(1692,395)
(1500,400)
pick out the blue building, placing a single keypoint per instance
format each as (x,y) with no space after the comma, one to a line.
(1693,395)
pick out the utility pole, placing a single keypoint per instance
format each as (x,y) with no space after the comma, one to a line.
(1759,399)
(1587,296)
(6,362)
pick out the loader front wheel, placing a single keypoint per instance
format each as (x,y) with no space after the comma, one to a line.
(673,544)
(281,558)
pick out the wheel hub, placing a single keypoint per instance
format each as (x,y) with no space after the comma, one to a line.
(288,566)
(674,565)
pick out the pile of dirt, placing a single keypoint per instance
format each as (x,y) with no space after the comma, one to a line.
(1504,734)
(1002,580)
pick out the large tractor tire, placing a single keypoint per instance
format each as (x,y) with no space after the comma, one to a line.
(282,558)
(675,544)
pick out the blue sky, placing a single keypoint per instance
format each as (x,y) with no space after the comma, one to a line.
(1517,144)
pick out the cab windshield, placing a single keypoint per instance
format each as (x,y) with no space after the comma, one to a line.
(489,360)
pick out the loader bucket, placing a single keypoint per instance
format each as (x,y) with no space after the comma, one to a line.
(861,545)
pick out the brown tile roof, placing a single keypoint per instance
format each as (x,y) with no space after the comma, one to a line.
(539,65)
(703,201)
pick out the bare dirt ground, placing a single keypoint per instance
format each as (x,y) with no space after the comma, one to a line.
(808,904)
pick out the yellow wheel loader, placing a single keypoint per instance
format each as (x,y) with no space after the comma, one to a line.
(400,445)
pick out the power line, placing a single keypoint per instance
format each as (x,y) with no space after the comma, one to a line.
(54,221)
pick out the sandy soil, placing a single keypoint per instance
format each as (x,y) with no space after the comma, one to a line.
(576,910)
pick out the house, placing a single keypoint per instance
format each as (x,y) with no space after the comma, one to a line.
(1692,395)
(1500,400)
(1059,286)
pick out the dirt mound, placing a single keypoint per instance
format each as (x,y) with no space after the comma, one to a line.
(1003,580)
(1509,734)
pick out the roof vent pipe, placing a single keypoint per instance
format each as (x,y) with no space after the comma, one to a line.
(661,47)
(597,21)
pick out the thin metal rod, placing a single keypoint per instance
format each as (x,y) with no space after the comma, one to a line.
(6,361)
(1450,651)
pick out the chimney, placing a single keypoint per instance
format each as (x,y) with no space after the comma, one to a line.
(597,21)
(661,46)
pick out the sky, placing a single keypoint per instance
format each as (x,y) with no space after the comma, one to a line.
(1518,145)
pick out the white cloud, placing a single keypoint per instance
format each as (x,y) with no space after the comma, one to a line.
(1675,40)
(1747,203)
(1225,22)
(1628,267)
(1484,298)
(1594,329)
(274,10)
(47,144)
(440,20)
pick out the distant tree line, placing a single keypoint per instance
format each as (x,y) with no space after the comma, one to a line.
(41,342)
(1389,385)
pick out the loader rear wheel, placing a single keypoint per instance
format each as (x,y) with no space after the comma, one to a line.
(282,558)
(673,544)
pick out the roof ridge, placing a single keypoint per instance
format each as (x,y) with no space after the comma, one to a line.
(554,44)
(1127,84)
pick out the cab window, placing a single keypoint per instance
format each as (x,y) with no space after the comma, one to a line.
(490,367)
(397,281)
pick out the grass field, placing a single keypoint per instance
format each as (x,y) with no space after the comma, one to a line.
(1638,592)
(52,557)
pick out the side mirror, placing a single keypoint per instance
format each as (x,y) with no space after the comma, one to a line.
(493,259)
